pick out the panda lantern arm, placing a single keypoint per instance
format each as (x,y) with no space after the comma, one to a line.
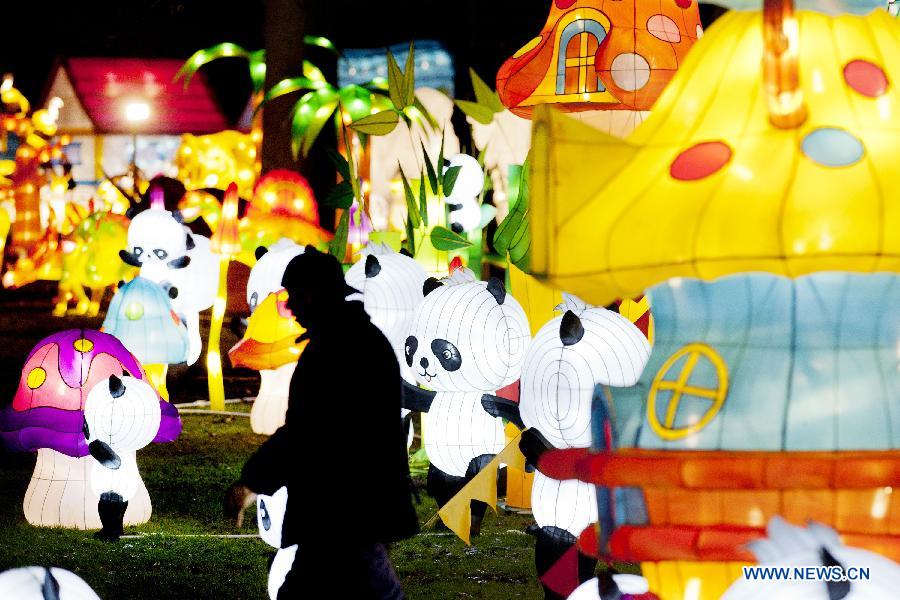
(502,408)
(101,451)
(533,445)
(130,258)
(416,398)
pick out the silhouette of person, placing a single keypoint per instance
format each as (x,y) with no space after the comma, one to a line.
(342,450)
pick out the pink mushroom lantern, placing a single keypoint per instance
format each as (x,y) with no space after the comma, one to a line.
(47,416)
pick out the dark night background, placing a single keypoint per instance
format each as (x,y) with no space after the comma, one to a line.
(479,33)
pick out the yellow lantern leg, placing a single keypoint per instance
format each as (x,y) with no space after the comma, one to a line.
(213,353)
(226,243)
(157,375)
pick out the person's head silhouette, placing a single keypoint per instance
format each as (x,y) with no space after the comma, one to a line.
(315,285)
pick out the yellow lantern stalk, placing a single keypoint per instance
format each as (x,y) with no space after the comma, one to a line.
(226,244)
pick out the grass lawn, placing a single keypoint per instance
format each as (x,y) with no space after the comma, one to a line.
(173,557)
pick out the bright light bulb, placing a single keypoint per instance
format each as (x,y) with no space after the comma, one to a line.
(137,112)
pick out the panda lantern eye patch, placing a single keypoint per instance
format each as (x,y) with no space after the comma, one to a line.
(266,519)
(447,354)
(409,349)
(161,254)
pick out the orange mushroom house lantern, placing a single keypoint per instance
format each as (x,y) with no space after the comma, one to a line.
(601,55)
(759,209)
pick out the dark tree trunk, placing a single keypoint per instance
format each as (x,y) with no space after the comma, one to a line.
(285,25)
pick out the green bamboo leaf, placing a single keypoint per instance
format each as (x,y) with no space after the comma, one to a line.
(287,86)
(432,174)
(317,122)
(409,77)
(410,238)
(313,73)
(378,83)
(422,113)
(338,245)
(340,196)
(203,57)
(440,161)
(484,94)
(412,210)
(321,42)
(340,163)
(258,70)
(396,83)
(449,180)
(513,235)
(423,200)
(445,240)
(356,101)
(480,113)
(381,123)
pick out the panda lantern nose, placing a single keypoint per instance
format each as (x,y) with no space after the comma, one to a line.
(424,362)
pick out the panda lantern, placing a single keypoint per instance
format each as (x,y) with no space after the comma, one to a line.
(47,415)
(569,356)
(270,511)
(269,345)
(44,583)
(818,545)
(469,340)
(462,203)
(167,253)
(120,418)
(391,289)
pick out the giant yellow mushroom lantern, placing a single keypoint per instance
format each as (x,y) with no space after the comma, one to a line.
(758,208)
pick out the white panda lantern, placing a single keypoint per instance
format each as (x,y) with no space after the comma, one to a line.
(167,253)
(390,285)
(121,416)
(465,211)
(469,340)
(270,511)
(266,275)
(819,546)
(612,586)
(194,288)
(271,402)
(44,583)
(391,290)
(570,355)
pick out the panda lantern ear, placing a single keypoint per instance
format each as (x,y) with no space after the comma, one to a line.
(260,252)
(189,242)
(373,267)
(495,287)
(430,285)
(116,387)
(129,258)
(50,588)
(607,587)
(570,329)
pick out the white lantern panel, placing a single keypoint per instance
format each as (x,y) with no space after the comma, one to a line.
(569,504)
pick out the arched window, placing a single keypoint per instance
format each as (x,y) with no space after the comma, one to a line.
(578,46)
